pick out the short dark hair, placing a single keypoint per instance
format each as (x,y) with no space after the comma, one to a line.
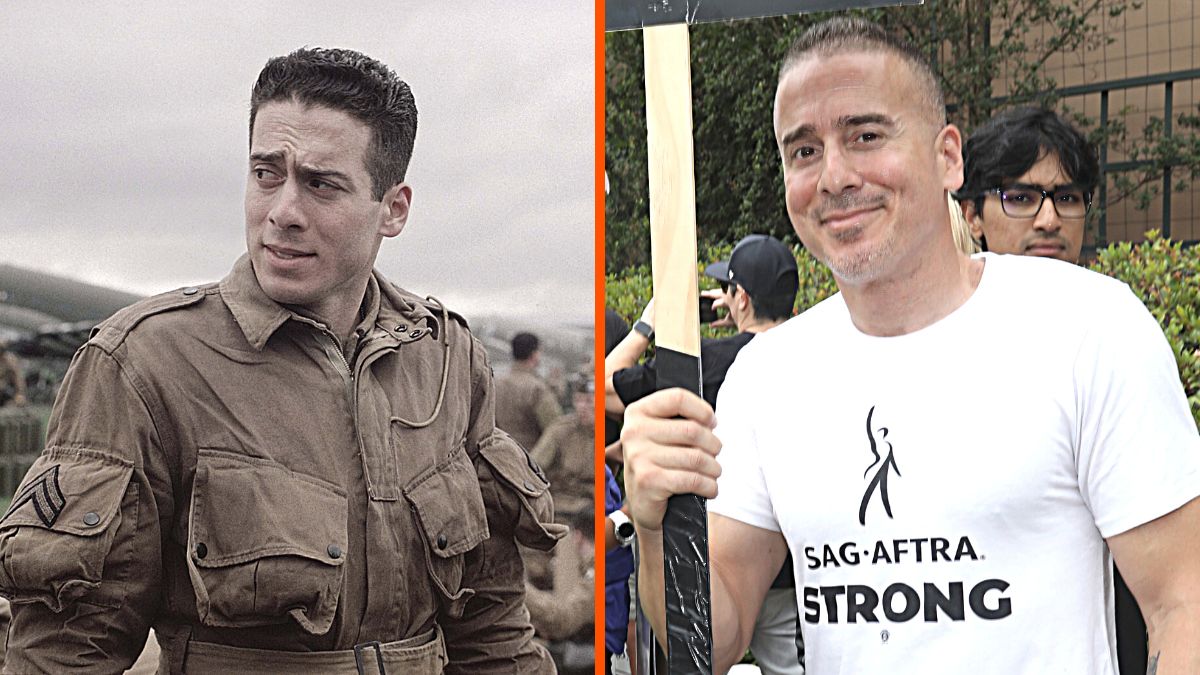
(773,307)
(524,345)
(358,85)
(851,34)
(1009,144)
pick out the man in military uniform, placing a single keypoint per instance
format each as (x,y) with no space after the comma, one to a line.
(295,469)
(560,594)
(525,405)
(566,452)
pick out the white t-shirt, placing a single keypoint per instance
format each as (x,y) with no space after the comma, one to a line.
(945,494)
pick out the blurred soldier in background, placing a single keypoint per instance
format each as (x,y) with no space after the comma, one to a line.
(525,404)
(566,452)
(560,595)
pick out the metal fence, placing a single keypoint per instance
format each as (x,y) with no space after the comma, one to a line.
(1167,81)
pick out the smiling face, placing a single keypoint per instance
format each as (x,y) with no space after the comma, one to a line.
(1046,234)
(865,166)
(312,228)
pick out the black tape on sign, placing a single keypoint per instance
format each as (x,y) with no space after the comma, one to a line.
(685,548)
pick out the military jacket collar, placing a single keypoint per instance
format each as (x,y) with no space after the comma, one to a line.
(387,308)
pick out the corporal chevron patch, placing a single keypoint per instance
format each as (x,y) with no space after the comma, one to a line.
(44,493)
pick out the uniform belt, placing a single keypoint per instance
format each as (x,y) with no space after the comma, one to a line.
(424,654)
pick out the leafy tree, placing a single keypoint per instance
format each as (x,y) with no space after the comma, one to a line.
(973,43)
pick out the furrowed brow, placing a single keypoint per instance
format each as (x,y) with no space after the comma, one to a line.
(863,120)
(268,157)
(802,131)
(844,122)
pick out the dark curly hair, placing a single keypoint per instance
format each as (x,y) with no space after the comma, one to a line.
(358,85)
(1009,144)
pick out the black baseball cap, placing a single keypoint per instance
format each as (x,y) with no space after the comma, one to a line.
(761,264)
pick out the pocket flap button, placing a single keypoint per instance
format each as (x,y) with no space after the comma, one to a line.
(91,519)
(201,550)
(441,542)
(334,551)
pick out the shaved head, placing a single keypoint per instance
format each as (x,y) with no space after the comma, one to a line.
(850,34)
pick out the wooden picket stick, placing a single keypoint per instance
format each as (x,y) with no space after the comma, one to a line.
(677,330)
(664,24)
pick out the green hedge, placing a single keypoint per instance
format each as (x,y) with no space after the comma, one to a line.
(1166,277)
(1162,273)
(628,292)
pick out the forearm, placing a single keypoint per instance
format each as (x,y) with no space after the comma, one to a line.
(494,634)
(625,354)
(1174,641)
(560,613)
(727,647)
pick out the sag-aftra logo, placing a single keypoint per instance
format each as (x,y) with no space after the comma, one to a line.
(879,598)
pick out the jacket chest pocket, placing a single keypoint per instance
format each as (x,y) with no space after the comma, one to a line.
(448,507)
(265,544)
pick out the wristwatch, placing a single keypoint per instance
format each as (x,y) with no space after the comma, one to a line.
(644,329)
(622,528)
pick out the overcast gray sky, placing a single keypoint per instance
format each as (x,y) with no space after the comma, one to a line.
(123,141)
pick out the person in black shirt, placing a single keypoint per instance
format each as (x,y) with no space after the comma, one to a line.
(758,289)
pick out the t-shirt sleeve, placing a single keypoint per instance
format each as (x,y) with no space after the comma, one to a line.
(1138,456)
(635,382)
(741,488)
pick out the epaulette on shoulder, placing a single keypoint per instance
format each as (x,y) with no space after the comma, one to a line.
(436,310)
(110,333)
(429,305)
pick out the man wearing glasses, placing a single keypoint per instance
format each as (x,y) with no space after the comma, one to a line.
(758,288)
(1028,183)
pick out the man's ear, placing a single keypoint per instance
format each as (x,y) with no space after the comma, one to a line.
(949,150)
(743,300)
(396,203)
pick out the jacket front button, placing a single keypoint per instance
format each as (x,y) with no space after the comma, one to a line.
(201,550)
(334,551)
(91,519)
(441,542)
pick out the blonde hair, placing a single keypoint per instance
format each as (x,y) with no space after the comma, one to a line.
(959,227)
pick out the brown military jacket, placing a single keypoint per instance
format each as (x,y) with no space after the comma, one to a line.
(221,468)
(567,454)
(525,406)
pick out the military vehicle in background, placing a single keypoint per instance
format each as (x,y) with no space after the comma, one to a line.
(44,318)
